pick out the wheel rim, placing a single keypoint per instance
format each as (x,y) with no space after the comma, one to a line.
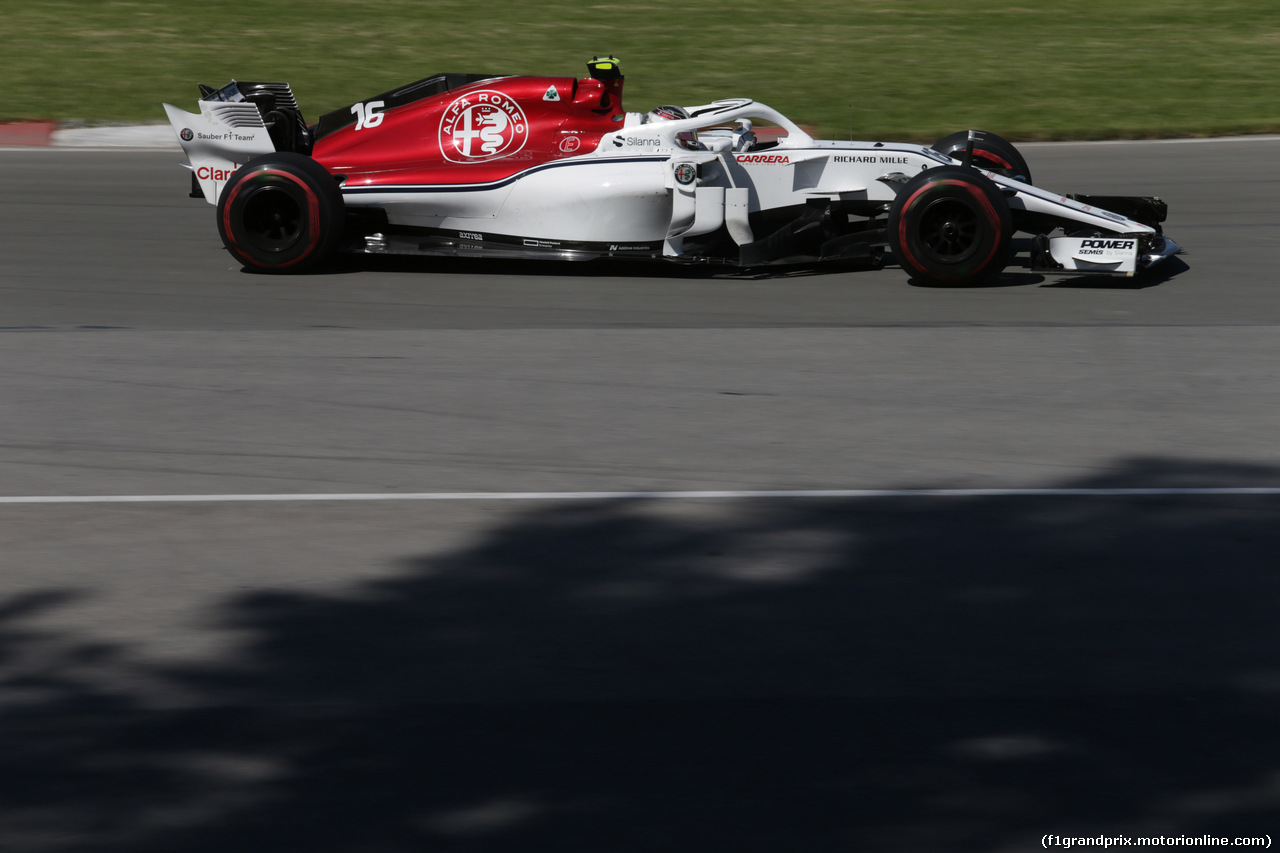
(950,230)
(273,220)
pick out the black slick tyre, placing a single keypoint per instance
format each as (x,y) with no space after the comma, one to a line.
(990,152)
(280,213)
(950,226)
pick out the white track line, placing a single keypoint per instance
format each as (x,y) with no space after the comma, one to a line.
(671,495)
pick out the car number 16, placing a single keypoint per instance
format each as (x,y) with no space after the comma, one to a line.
(368,115)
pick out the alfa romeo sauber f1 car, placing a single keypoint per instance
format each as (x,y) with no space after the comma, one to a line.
(482,165)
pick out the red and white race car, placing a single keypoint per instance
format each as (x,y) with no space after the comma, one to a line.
(481,165)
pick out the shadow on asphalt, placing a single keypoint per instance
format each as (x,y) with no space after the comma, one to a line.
(889,674)
(596,268)
(1014,276)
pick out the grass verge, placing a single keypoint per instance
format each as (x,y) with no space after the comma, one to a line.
(869,69)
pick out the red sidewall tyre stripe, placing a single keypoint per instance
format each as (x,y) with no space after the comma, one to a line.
(994,158)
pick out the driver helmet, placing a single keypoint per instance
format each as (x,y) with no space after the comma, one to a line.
(670,112)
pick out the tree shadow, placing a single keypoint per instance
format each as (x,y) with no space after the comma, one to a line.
(895,673)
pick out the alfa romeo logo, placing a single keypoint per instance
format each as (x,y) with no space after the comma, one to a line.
(482,126)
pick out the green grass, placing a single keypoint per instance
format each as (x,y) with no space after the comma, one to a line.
(868,68)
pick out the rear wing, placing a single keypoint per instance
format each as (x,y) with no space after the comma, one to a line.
(236,122)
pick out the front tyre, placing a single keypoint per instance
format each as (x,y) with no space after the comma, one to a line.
(280,213)
(950,226)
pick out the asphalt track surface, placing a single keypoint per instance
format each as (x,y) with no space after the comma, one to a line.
(902,672)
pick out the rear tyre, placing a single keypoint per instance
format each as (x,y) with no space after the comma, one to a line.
(990,152)
(950,226)
(280,213)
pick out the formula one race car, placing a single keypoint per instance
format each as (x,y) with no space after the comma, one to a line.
(482,165)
